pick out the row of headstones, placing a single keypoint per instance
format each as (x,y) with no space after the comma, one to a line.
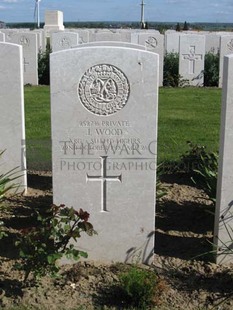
(104,135)
(191,48)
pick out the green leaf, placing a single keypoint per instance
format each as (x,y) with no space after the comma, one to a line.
(83,254)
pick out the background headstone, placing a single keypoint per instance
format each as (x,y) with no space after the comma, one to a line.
(226,48)
(29,42)
(113,43)
(212,44)
(2,37)
(83,35)
(172,41)
(40,39)
(108,35)
(224,203)
(104,124)
(154,42)
(12,123)
(63,40)
(9,34)
(101,35)
(191,58)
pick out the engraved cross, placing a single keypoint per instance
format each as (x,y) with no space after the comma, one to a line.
(103,178)
(192,57)
(25,64)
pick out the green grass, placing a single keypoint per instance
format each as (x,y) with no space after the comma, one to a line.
(38,127)
(185,114)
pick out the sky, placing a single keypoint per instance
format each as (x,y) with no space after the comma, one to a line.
(220,11)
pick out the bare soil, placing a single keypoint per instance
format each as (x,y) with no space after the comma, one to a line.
(187,279)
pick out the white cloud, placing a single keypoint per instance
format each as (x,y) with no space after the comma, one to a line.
(175,1)
(224,12)
(10,1)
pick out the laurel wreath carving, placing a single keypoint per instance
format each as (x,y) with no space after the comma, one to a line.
(104,89)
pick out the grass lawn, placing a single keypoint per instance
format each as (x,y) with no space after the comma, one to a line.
(38,127)
(188,114)
(185,114)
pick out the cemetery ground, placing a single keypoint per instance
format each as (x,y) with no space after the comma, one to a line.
(184,220)
(185,114)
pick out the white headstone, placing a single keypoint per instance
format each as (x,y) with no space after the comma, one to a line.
(154,42)
(191,58)
(83,36)
(104,124)
(29,42)
(172,41)
(12,124)
(224,203)
(2,37)
(63,40)
(9,34)
(226,48)
(113,43)
(212,43)
(40,39)
(104,35)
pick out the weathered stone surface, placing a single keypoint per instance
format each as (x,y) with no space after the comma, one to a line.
(224,204)
(226,48)
(53,22)
(104,124)
(191,59)
(64,40)
(2,37)
(12,124)
(29,42)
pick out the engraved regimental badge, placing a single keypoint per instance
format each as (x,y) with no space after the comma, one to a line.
(104,89)
(151,42)
(24,41)
(65,42)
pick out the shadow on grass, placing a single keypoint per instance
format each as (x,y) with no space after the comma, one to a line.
(37,181)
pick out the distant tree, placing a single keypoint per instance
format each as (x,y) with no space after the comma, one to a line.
(186,26)
(43,66)
(171,70)
(211,71)
(178,27)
